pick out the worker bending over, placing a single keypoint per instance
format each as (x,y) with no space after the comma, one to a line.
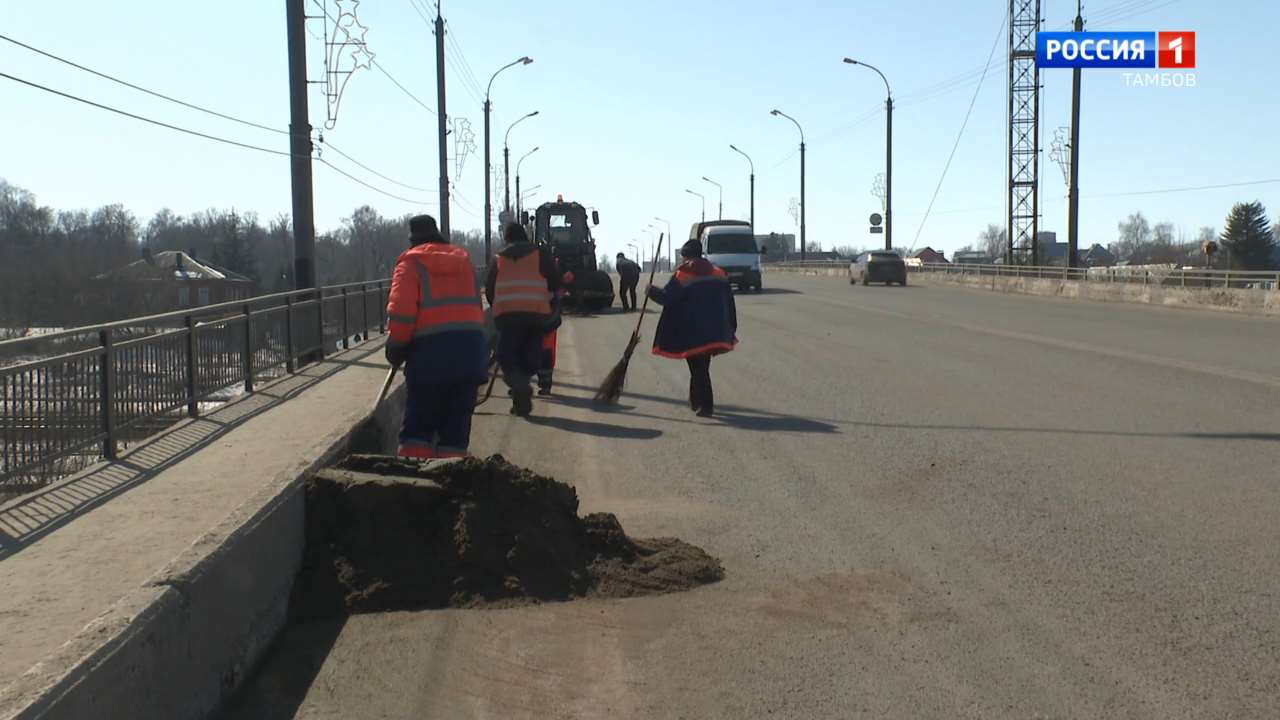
(628,278)
(437,333)
(519,287)
(699,321)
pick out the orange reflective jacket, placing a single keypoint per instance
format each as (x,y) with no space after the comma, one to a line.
(521,287)
(433,290)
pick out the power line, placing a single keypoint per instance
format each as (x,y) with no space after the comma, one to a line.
(1268,181)
(334,148)
(139,88)
(959,135)
(206,136)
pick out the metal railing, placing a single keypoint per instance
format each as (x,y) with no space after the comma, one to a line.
(70,398)
(1160,275)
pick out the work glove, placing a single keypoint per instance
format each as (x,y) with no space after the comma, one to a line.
(397,355)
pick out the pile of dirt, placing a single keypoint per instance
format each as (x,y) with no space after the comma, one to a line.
(391,534)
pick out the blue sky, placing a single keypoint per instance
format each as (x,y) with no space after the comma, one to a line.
(637,102)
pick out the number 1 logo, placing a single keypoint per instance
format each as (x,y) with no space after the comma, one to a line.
(1178,50)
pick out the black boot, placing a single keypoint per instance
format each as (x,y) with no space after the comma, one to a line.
(522,402)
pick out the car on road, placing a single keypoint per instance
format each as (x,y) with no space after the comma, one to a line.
(733,248)
(883,266)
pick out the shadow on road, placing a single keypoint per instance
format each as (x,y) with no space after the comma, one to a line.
(733,415)
(277,690)
(586,427)
(771,291)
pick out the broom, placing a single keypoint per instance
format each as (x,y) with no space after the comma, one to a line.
(611,389)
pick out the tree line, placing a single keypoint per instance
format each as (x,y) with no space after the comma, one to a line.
(1248,241)
(47,255)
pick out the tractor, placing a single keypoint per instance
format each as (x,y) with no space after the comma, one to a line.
(562,227)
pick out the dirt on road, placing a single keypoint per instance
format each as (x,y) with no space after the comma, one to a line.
(389,534)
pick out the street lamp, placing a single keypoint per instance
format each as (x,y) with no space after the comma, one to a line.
(653,238)
(671,243)
(720,214)
(506,160)
(488,184)
(753,184)
(704,203)
(779,113)
(888,154)
(520,205)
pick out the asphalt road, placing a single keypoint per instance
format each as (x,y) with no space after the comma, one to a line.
(930,503)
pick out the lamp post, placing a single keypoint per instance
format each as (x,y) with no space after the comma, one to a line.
(704,203)
(670,242)
(519,204)
(506,160)
(720,213)
(653,238)
(779,113)
(753,184)
(488,185)
(888,154)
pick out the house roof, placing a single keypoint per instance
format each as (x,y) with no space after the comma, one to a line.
(171,264)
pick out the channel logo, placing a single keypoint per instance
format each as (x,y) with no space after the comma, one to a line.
(1172,50)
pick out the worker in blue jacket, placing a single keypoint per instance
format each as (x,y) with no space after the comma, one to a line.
(699,321)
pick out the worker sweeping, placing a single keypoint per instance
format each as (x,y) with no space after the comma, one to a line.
(628,279)
(547,363)
(699,321)
(521,281)
(437,333)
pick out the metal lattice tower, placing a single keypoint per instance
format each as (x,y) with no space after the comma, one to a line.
(1024,132)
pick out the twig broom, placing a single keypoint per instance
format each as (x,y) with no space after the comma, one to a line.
(611,389)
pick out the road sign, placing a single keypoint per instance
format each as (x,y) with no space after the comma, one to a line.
(876,229)
(876,219)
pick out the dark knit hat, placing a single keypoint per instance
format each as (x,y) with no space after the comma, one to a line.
(622,255)
(515,233)
(423,229)
(691,249)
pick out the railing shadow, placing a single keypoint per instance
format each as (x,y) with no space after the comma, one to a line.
(27,519)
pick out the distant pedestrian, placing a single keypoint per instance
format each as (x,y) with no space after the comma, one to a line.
(629,275)
(699,321)
(521,281)
(437,333)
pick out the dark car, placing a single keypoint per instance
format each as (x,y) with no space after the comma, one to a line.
(878,266)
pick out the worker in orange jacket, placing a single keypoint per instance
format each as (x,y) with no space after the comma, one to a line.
(547,366)
(437,333)
(521,282)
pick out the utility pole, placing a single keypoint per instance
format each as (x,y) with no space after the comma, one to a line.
(1073,197)
(888,173)
(442,118)
(753,184)
(304,224)
(802,244)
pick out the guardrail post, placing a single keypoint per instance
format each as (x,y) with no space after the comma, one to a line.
(382,316)
(1226,283)
(248,348)
(107,395)
(346,330)
(364,312)
(193,405)
(320,319)
(1182,276)
(289,366)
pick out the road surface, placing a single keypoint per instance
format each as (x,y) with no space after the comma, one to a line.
(930,503)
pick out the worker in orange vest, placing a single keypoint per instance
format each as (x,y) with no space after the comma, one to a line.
(521,282)
(547,365)
(437,333)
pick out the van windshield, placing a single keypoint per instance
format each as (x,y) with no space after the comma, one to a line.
(730,243)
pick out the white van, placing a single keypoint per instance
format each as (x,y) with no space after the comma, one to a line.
(733,248)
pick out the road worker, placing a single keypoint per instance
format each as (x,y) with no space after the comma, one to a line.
(699,321)
(521,282)
(628,279)
(547,365)
(437,334)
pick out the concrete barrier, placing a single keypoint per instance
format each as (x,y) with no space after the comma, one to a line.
(178,646)
(1237,300)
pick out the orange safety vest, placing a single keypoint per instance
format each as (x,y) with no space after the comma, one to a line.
(433,290)
(521,287)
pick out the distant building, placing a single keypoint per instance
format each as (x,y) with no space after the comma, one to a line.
(165,281)
(971,257)
(1097,256)
(929,256)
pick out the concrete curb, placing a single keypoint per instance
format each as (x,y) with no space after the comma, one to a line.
(178,646)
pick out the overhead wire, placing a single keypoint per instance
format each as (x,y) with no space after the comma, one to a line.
(196,133)
(968,113)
